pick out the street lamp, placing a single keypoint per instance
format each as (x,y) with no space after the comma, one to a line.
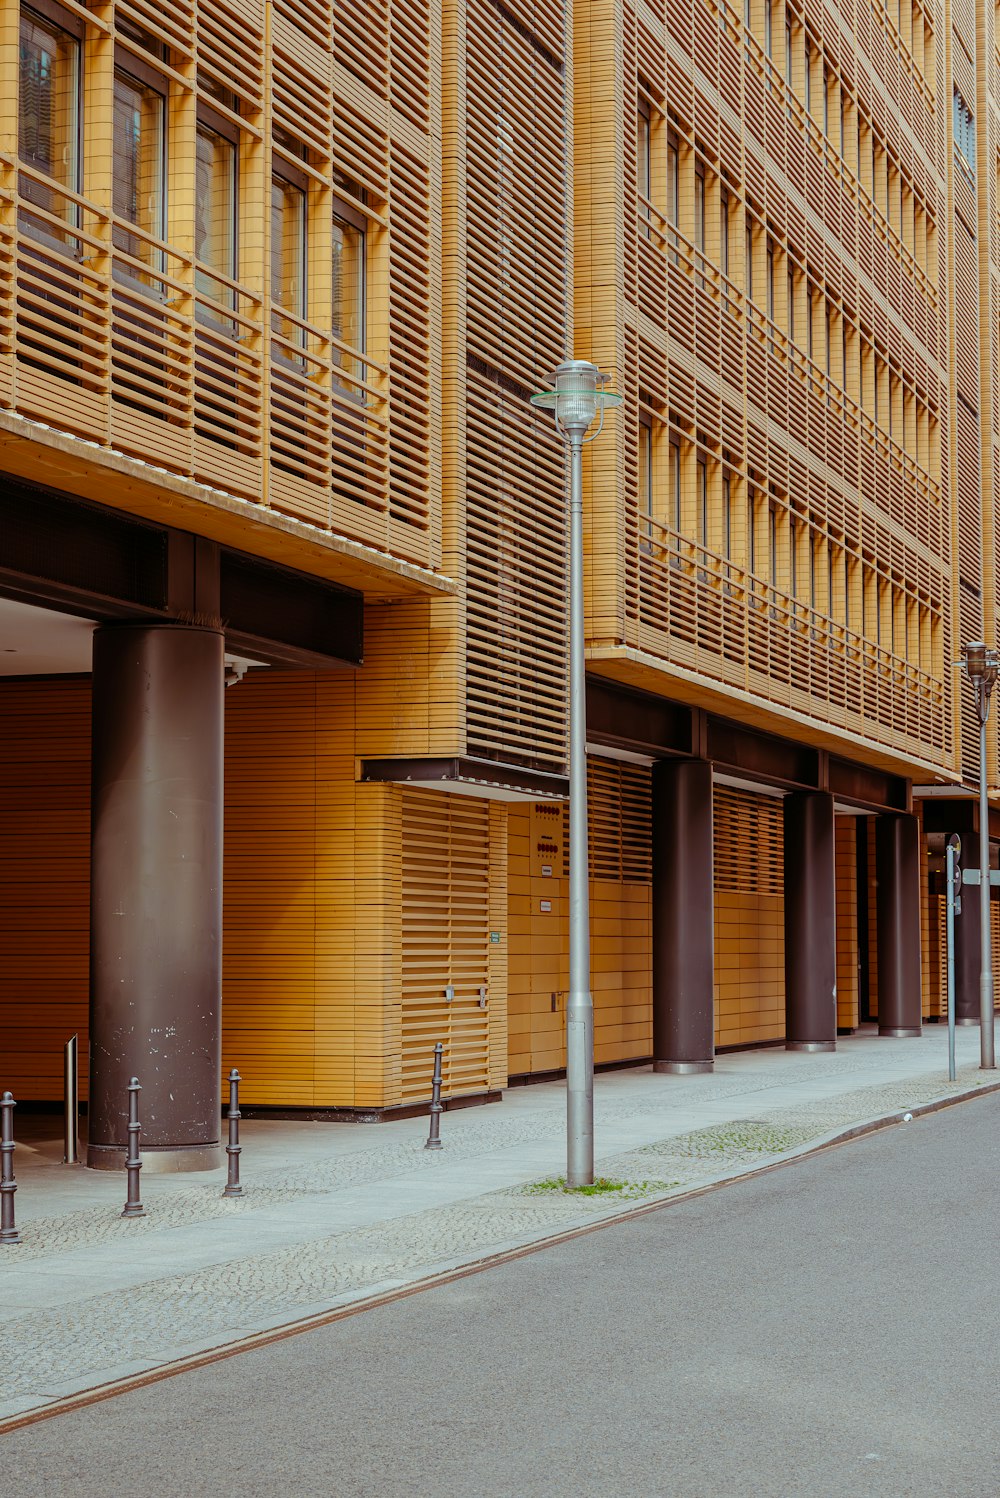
(578,397)
(981,665)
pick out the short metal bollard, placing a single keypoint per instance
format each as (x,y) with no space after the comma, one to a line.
(8,1232)
(233,1150)
(133,1160)
(71,1103)
(434,1137)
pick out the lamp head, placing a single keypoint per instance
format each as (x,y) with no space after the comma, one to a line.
(578,395)
(974,659)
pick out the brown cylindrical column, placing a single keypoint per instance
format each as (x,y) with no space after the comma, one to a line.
(897,873)
(156,893)
(967,928)
(683,916)
(810,923)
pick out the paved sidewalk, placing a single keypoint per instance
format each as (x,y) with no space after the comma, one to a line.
(335,1213)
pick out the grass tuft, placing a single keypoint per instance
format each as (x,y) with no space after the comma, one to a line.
(602,1186)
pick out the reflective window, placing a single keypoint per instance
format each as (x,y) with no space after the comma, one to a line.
(48,137)
(138,144)
(215,209)
(348,283)
(288,253)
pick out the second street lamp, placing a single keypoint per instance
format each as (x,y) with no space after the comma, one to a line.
(577,399)
(981,665)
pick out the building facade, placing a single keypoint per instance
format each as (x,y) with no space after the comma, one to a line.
(276,283)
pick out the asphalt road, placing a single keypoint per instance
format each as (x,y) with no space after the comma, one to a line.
(830,1328)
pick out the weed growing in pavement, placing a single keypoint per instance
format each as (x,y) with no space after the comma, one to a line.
(602,1187)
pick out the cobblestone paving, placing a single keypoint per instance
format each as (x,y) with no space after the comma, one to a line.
(179,1206)
(161,1318)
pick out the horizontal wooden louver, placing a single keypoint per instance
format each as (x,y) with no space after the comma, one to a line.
(516,320)
(723,362)
(110,333)
(619,807)
(749,842)
(445,941)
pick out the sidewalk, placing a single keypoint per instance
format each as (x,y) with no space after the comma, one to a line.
(336,1213)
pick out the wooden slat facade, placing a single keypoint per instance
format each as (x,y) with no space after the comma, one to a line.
(772,511)
(122,338)
(766,231)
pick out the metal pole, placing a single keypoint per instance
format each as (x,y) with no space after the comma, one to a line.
(71,1102)
(133,1160)
(8,1185)
(233,1149)
(951,860)
(434,1137)
(580,1004)
(986,1062)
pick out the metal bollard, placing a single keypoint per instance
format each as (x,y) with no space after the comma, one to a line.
(233,1150)
(8,1232)
(133,1160)
(434,1137)
(71,1103)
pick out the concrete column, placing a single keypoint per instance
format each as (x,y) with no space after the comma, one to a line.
(897,873)
(810,923)
(683,917)
(967,928)
(156,893)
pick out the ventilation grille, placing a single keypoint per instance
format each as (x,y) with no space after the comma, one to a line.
(749,843)
(619,797)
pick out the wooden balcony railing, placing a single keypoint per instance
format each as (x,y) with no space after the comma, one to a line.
(702,611)
(114,336)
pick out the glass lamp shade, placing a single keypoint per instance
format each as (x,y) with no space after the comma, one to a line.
(974,654)
(578,395)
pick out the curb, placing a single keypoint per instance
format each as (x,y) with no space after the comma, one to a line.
(371,1299)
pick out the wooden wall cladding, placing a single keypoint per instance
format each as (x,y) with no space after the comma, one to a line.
(311,955)
(620,916)
(773,512)
(44,882)
(115,335)
(749,917)
(516,322)
(846,876)
(453,885)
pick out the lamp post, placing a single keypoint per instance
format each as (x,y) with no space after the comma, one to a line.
(981,666)
(577,398)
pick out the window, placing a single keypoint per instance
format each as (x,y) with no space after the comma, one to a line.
(770,280)
(348,311)
(790,292)
(673,192)
(965,132)
(699,207)
(724,232)
(644,481)
(701,469)
(751,532)
(769,27)
(748,260)
(793,558)
(727,516)
(48,135)
(288,254)
(808,74)
(139,162)
(215,211)
(674,477)
(826,102)
(772,543)
(788,51)
(642,163)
